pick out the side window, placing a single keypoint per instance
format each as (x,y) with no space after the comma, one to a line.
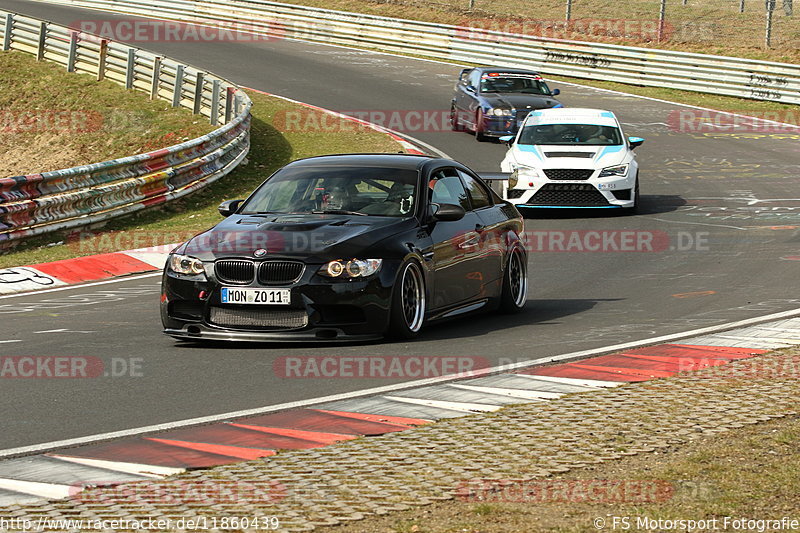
(446,188)
(475,79)
(478,195)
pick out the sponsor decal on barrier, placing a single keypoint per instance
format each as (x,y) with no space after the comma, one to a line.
(377,366)
(150,31)
(744,121)
(69,367)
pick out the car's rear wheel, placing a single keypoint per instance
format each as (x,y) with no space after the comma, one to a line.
(515,283)
(408,303)
(479,135)
(455,124)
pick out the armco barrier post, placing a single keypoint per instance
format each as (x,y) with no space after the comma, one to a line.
(130,68)
(215,103)
(178,89)
(42,40)
(156,81)
(73,51)
(229,104)
(101,62)
(198,93)
(8,32)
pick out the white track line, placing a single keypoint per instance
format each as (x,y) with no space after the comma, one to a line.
(48,446)
(82,285)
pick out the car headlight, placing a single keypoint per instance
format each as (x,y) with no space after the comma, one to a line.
(354,268)
(524,171)
(618,170)
(499,112)
(184,264)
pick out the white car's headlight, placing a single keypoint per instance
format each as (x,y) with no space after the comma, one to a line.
(184,264)
(354,268)
(524,171)
(499,112)
(617,170)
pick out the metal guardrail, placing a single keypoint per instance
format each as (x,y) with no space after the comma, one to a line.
(745,78)
(51,201)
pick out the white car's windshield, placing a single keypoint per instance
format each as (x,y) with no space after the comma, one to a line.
(570,134)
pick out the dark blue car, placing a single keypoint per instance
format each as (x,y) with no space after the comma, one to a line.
(494,101)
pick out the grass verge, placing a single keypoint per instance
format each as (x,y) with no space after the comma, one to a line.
(179,220)
(751,473)
(51,119)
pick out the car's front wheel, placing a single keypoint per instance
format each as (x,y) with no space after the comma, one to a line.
(408,303)
(479,135)
(515,283)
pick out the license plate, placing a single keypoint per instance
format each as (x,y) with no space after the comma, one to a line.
(234,295)
(606,186)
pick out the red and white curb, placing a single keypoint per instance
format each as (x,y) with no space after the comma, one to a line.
(82,269)
(61,473)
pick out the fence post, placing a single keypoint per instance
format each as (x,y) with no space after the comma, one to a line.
(787,7)
(101,62)
(215,103)
(73,51)
(9,29)
(770,7)
(130,68)
(741,6)
(198,92)
(229,103)
(662,15)
(42,39)
(156,82)
(568,16)
(177,91)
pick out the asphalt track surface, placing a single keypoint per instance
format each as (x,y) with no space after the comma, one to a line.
(728,204)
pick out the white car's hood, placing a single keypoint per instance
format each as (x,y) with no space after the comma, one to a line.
(560,156)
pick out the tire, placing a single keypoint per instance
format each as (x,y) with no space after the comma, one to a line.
(408,303)
(635,209)
(455,124)
(479,135)
(515,283)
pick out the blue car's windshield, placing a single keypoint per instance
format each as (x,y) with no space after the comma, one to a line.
(570,134)
(514,84)
(321,189)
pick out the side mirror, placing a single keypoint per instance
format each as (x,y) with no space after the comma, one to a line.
(470,89)
(508,139)
(447,212)
(555,92)
(635,141)
(229,207)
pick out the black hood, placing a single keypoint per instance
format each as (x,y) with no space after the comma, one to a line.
(520,101)
(312,238)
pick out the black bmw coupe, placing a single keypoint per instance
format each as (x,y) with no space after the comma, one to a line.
(348,247)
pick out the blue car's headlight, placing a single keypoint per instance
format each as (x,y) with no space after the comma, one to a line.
(617,170)
(499,112)
(354,268)
(186,265)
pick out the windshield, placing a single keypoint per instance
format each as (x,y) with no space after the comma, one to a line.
(581,134)
(336,189)
(514,84)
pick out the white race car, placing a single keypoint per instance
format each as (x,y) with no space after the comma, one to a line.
(572,157)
